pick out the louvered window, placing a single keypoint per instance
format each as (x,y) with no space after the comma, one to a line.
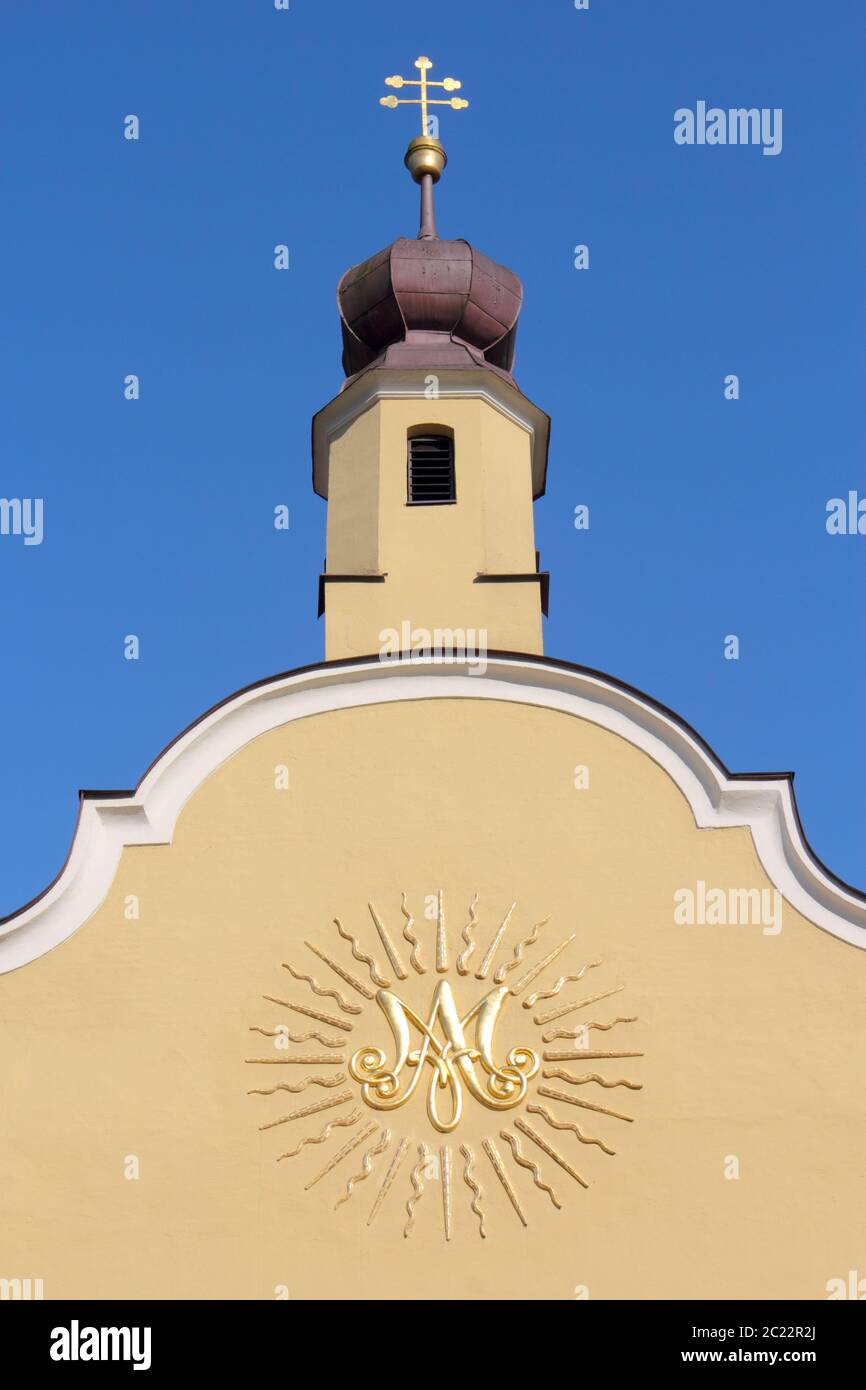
(431,469)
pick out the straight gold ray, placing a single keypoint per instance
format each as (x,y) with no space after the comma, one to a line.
(343,1153)
(311,1013)
(492,1153)
(343,974)
(520,985)
(445,1171)
(578,1054)
(550,1015)
(390,949)
(441,938)
(487,958)
(584,1104)
(551,1152)
(313,1109)
(388,1180)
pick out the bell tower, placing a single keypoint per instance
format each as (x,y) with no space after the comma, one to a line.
(431,456)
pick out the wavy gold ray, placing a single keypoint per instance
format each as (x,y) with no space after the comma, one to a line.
(445,1173)
(323,993)
(520,985)
(366,1167)
(498,1167)
(343,1153)
(298,1037)
(526,1128)
(313,1109)
(360,955)
(325,1081)
(311,1013)
(463,959)
(567,1124)
(551,993)
(417,1187)
(343,974)
(487,958)
(441,938)
(409,935)
(578,1054)
(520,1157)
(584,1104)
(550,1015)
(295,1061)
(557,1074)
(469,1179)
(554,1033)
(519,949)
(344,1122)
(388,1180)
(390,949)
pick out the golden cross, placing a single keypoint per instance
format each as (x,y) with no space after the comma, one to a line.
(450,84)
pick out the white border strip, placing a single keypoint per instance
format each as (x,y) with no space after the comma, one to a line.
(149,816)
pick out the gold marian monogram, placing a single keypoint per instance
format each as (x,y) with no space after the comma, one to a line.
(452,1060)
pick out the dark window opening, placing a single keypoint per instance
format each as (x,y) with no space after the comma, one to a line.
(431,469)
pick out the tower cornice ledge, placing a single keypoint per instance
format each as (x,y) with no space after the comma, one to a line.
(107,822)
(390,383)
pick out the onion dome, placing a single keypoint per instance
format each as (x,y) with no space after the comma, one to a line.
(429,303)
(426,302)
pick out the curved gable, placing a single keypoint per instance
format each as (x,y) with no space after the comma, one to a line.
(109,821)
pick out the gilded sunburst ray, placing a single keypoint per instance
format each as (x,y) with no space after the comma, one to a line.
(443,1046)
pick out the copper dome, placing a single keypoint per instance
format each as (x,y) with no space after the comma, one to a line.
(429,303)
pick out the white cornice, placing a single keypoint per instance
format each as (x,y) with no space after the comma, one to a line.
(717,798)
(392,383)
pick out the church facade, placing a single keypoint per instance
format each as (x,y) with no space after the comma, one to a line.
(444,968)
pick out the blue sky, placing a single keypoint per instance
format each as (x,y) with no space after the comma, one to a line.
(258,127)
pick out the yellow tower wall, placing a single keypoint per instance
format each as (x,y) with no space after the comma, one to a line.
(430,557)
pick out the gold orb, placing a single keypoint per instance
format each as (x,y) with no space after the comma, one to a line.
(425,156)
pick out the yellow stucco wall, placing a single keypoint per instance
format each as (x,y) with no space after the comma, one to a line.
(431,555)
(130,1038)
